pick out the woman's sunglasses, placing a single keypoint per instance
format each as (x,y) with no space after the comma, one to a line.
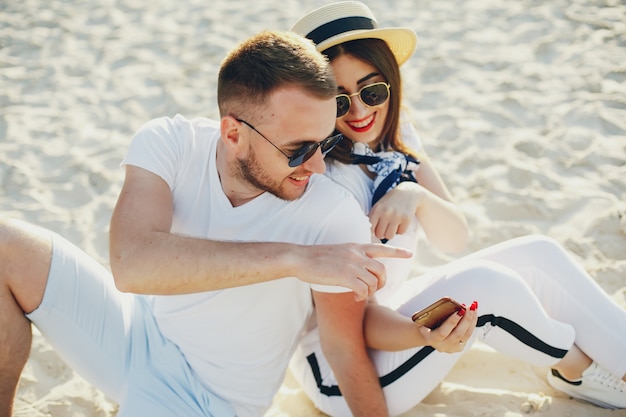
(371,95)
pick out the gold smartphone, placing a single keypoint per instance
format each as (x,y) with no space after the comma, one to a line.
(436,313)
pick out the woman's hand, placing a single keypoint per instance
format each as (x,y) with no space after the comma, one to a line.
(453,333)
(393,213)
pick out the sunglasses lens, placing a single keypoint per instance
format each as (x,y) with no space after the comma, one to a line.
(375,94)
(302,155)
(372,95)
(343,104)
(306,152)
(329,143)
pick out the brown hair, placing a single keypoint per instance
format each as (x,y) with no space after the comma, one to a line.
(267,61)
(376,53)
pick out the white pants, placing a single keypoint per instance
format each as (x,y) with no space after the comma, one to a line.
(534,302)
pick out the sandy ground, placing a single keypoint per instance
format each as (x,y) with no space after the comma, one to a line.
(521,104)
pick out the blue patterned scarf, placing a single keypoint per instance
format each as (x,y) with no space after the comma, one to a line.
(391,168)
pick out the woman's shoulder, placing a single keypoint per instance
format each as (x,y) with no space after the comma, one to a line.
(353,179)
(409,135)
(340,172)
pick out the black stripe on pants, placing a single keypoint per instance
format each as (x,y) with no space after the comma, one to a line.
(507,325)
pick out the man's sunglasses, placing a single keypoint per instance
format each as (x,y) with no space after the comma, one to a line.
(304,153)
(371,95)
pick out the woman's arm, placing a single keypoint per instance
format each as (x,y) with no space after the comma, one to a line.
(443,221)
(430,201)
(388,330)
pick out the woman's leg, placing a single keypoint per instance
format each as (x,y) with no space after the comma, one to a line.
(406,376)
(511,320)
(569,294)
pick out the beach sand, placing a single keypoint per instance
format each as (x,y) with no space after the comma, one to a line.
(520,104)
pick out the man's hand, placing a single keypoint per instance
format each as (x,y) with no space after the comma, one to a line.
(348,265)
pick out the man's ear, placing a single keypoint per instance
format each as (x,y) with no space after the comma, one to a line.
(231,131)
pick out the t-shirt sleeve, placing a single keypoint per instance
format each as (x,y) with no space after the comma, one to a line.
(156,147)
(410,137)
(345,223)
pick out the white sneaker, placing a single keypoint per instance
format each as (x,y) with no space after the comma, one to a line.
(597,386)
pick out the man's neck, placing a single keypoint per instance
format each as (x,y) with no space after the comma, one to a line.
(238,192)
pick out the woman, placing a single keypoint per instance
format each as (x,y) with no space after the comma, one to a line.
(536,304)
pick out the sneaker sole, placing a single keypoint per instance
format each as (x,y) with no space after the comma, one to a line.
(562,386)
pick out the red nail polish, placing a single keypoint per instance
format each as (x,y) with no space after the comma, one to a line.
(461,312)
(474,306)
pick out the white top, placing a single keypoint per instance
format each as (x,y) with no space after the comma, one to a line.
(361,186)
(238,340)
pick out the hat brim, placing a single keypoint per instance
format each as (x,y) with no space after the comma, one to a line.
(401,41)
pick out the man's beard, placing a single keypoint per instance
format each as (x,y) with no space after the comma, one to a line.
(252,172)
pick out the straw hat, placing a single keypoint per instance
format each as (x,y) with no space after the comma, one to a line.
(344,21)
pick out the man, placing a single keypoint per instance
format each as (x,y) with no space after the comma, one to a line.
(200,318)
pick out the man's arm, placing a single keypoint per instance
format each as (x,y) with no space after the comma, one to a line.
(340,322)
(146,258)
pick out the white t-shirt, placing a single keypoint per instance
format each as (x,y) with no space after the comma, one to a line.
(352,178)
(239,340)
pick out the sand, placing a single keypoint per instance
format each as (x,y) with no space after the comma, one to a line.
(521,105)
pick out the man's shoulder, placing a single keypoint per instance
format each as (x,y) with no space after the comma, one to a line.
(178,132)
(163,144)
(180,123)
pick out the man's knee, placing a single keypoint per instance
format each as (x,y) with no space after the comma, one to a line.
(25,255)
